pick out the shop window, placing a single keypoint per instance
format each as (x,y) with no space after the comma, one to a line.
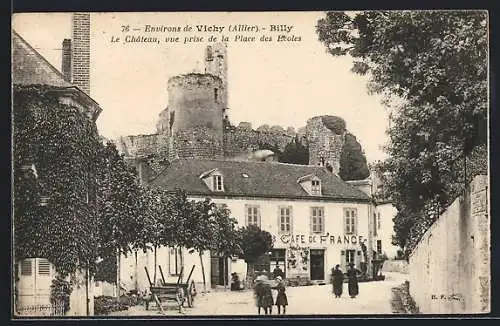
(26,267)
(175,261)
(317,220)
(285,219)
(350,221)
(253,215)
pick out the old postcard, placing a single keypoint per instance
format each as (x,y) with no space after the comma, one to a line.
(250,163)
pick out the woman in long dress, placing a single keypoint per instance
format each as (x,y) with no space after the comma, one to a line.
(338,281)
(352,276)
(281,298)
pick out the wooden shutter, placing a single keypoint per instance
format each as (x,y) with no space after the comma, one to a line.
(291,218)
(259,221)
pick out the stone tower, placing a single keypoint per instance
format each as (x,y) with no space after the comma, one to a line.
(216,64)
(325,142)
(195,114)
(80,51)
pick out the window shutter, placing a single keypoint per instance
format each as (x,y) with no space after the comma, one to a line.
(311,210)
(43,267)
(279,219)
(26,267)
(355,213)
(291,219)
(246,215)
(258,217)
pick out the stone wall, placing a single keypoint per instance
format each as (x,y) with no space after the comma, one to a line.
(325,146)
(450,266)
(198,142)
(240,141)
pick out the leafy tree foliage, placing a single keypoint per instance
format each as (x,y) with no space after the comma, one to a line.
(353,165)
(295,152)
(435,62)
(254,243)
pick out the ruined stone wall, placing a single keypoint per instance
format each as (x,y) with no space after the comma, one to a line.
(138,145)
(240,141)
(449,269)
(325,146)
(199,142)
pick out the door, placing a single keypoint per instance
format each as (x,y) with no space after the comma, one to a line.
(317,264)
(214,270)
(223,270)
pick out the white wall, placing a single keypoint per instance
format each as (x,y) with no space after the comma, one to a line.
(334,224)
(34,289)
(130,272)
(387,212)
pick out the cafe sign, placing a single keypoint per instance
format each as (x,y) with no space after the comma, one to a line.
(325,239)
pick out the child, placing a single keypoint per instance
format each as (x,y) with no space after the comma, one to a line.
(281,299)
(180,299)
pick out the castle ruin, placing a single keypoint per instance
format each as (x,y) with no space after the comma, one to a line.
(195,125)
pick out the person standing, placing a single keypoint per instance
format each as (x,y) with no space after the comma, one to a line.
(281,299)
(278,272)
(352,276)
(337,281)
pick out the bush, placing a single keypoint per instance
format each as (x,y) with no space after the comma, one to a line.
(60,291)
(103,305)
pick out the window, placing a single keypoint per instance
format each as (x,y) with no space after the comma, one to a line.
(315,187)
(218,183)
(43,267)
(379,247)
(216,95)
(175,261)
(26,268)
(285,219)
(375,224)
(350,256)
(317,220)
(253,215)
(378,220)
(350,221)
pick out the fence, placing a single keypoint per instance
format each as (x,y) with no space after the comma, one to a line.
(449,269)
(41,310)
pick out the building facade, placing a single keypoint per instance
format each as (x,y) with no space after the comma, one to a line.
(71,86)
(316,219)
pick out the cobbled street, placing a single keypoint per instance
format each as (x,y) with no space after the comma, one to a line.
(374,298)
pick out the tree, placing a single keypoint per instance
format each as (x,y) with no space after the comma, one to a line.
(295,153)
(120,209)
(440,125)
(353,165)
(254,243)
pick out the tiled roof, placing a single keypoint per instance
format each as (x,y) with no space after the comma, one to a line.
(30,68)
(254,179)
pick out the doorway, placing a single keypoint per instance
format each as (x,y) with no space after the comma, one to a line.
(223,271)
(317,264)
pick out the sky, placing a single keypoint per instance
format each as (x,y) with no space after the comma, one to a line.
(274,83)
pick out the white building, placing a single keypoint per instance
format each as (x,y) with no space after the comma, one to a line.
(316,219)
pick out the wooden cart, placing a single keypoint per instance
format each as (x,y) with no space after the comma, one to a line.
(168,291)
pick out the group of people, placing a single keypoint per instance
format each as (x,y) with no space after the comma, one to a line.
(352,281)
(264,294)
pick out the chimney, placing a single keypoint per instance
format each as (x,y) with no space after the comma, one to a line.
(80,51)
(66,59)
